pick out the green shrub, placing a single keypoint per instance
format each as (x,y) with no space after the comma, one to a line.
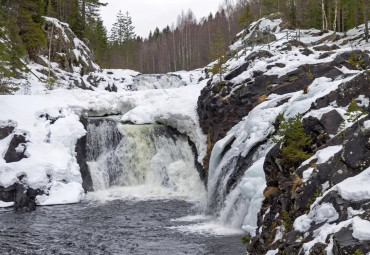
(295,143)
(246,239)
(357,252)
(355,61)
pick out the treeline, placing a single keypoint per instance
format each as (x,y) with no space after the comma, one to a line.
(186,46)
(24,20)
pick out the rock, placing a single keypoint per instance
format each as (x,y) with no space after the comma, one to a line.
(346,92)
(316,130)
(81,151)
(326,47)
(6,128)
(24,198)
(331,121)
(66,49)
(318,249)
(345,244)
(306,52)
(17,148)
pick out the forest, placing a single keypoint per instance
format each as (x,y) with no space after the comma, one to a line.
(184,45)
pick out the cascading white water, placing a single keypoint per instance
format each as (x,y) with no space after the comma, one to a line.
(158,81)
(238,207)
(142,161)
(249,145)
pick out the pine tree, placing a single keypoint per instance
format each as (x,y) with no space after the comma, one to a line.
(117,34)
(246,17)
(366,10)
(218,52)
(75,19)
(11,52)
(29,21)
(129,33)
(89,8)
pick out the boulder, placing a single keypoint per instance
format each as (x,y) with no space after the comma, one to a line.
(6,128)
(331,121)
(17,148)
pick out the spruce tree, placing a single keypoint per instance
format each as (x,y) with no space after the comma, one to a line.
(246,17)
(218,52)
(117,34)
(29,21)
(11,52)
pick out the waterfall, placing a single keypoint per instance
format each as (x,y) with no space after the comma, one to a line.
(141,160)
(158,81)
(236,184)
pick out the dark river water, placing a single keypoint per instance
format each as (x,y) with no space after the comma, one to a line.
(115,227)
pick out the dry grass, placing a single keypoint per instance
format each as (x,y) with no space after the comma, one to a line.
(305,89)
(261,99)
(297,181)
(270,191)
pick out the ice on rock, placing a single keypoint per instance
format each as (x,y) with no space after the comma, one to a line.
(62,193)
(361,229)
(252,186)
(324,155)
(367,124)
(6,204)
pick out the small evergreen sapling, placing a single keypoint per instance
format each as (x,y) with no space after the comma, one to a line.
(295,143)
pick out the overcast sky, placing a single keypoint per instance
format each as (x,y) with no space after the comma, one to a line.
(149,14)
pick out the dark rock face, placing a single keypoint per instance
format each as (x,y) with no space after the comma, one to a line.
(219,109)
(81,151)
(17,148)
(6,128)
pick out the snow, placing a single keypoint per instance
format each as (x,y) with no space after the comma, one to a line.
(367,124)
(272,252)
(62,193)
(324,155)
(323,213)
(6,204)
(361,229)
(356,188)
(353,189)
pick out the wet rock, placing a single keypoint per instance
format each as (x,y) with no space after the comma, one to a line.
(112,88)
(6,128)
(81,151)
(17,148)
(24,198)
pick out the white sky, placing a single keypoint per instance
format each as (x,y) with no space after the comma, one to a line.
(149,14)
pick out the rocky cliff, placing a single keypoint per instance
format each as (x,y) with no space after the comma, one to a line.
(310,207)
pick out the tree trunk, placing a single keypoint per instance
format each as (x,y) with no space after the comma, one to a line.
(335,17)
(83,13)
(366,10)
